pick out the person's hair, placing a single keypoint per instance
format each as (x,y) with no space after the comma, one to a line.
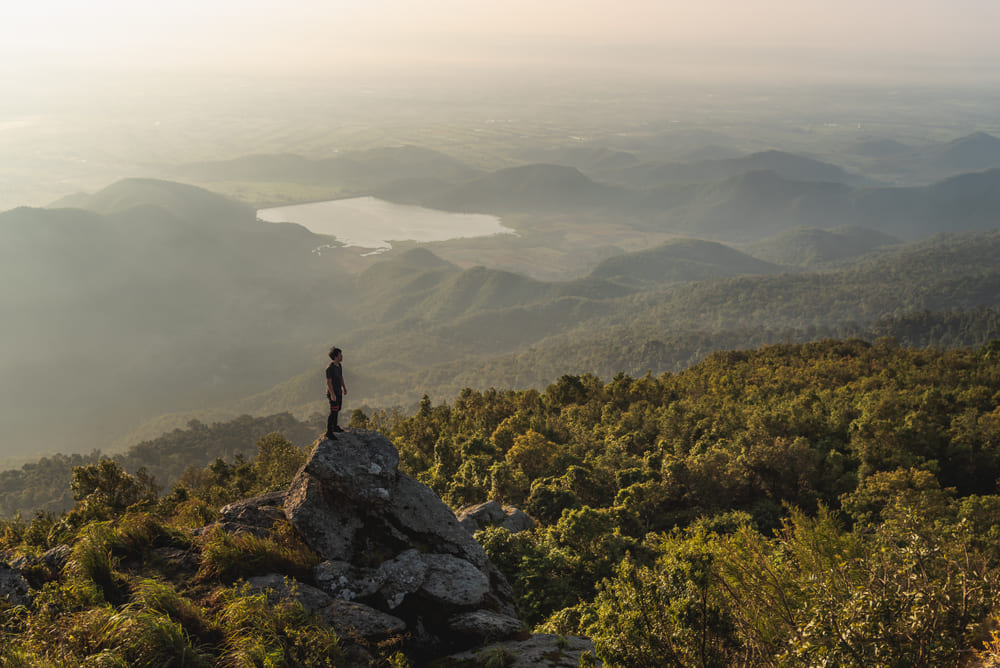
(334,352)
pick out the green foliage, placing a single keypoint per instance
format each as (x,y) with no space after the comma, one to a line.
(136,637)
(163,598)
(114,603)
(104,489)
(160,627)
(543,575)
(228,557)
(670,615)
(102,545)
(910,592)
(200,491)
(46,485)
(276,463)
(259,633)
(725,452)
(830,503)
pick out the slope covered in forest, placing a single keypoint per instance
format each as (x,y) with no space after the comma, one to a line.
(828,499)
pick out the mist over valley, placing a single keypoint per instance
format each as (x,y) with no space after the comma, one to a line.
(184,283)
(669,333)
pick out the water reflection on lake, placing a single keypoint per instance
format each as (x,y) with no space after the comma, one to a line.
(372,223)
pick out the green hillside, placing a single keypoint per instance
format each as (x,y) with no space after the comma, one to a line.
(167,281)
(412,348)
(973,152)
(536,187)
(745,207)
(682,260)
(831,500)
(812,247)
(182,202)
(172,298)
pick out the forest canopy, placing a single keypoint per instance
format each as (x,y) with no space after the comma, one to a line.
(834,501)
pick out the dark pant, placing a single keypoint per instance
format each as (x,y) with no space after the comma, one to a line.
(331,422)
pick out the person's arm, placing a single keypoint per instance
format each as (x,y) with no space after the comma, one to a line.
(343,385)
(329,387)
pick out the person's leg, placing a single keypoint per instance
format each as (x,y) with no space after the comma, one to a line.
(331,422)
(335,405)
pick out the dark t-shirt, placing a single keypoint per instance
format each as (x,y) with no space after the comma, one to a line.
(335,373)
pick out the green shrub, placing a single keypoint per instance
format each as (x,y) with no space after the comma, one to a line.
(232,556)
(91,560)
(162,598)
(259,633)
(147,638)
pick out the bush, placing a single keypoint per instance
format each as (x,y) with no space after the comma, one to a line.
(232,556)
(260,633)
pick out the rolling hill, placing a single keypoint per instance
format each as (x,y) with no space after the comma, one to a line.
(785,165)
(157,280)
(663,329)
(812,247)
(534,188)
(747,207)
(678,261)
(171,298)
(974,152)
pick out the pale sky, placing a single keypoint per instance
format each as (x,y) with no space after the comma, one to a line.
(304,34)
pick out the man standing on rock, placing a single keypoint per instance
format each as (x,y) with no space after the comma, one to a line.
(335,391)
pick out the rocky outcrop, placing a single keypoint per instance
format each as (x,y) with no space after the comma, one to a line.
(542,650)
(492,514)
(22,572)
(13,586)
(398,568)
(349,620)
(392,547)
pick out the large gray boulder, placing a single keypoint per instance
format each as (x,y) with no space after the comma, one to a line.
(348,619)
(391,545)
(492,514)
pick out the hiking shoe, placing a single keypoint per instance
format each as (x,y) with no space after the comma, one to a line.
(338,430)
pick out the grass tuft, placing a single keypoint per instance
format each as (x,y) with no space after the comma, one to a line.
(230,557)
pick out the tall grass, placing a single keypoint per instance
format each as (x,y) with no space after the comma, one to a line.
(259,633)
(232,556)
(148,638)
(162,598)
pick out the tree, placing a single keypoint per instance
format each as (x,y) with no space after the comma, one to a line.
(104,489)
(277,462)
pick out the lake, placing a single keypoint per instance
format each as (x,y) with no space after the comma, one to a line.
(371,223)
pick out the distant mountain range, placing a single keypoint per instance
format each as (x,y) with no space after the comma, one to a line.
(935,285)
(362,170)
(974,152)
(890,159)
(740,198)
(924,164)
(153,297)
(745,207)
(785,165)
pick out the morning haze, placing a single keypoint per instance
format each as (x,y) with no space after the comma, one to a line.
(649,156)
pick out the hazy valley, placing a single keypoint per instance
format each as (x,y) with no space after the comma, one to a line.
(671,333)
(157,301)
